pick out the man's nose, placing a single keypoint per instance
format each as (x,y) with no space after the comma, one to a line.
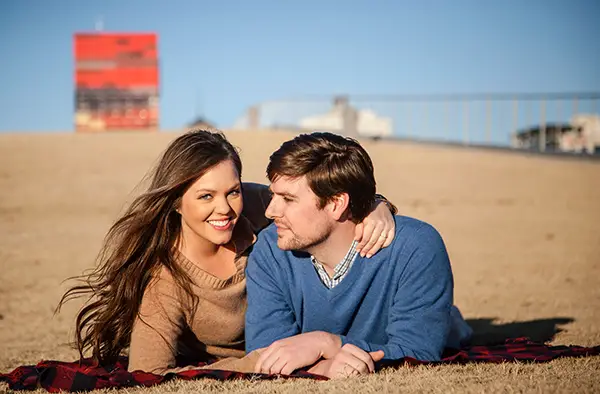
(271,211)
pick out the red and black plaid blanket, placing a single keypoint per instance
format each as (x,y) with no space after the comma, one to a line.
(55,376)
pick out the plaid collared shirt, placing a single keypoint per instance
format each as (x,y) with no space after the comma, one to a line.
(340,271)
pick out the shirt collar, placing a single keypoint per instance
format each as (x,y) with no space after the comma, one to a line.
(350,254)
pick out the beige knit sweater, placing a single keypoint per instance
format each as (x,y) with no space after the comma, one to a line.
(166,335)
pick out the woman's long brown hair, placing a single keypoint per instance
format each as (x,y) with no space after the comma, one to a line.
(141,241)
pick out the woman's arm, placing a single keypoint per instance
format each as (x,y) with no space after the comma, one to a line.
(256,200)
(156,329)
(378,229)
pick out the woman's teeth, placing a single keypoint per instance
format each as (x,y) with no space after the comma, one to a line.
(219,223)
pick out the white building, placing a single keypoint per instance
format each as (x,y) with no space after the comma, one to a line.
(344,119)
(589,134)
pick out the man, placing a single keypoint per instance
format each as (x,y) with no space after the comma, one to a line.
(312,301)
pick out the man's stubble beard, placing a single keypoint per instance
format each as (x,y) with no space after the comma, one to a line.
(304,245)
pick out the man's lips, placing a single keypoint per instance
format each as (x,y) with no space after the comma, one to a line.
(281,226)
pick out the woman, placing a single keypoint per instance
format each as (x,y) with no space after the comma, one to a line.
(170,282)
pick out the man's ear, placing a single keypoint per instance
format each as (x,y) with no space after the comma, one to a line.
(338,206)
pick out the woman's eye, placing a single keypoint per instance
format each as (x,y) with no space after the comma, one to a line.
(205,197)
(234,193)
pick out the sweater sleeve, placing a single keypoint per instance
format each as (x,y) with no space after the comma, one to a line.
(419,320)
(156,328)
(269,316)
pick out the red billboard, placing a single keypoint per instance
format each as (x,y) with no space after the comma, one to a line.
(116,81)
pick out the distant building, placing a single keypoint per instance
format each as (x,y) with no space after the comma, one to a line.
(529,138)
(589,132)
(201,123)
(116,81)
(344,119)
(580,135)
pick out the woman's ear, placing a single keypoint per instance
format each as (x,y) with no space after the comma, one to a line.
(177,208)
(177,205)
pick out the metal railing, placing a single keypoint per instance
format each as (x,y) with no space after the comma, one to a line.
(469,119)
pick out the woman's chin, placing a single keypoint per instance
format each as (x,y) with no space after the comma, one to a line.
(221,239)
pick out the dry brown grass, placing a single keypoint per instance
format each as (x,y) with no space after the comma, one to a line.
(523,234)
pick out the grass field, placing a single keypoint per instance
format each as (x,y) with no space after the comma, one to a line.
(523,233)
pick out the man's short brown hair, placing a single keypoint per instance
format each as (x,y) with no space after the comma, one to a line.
(332,164)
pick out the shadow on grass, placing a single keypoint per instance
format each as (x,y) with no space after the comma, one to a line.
(486,332)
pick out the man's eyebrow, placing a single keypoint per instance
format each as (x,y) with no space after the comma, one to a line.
(285,194)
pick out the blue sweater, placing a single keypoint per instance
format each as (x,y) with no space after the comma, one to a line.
(398,301)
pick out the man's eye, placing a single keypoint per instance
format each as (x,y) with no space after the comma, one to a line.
(287,199)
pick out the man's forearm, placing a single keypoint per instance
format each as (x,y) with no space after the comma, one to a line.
(422,338)
(330,344)
(298,351)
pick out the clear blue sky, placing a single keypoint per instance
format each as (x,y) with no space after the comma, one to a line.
(219,57)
